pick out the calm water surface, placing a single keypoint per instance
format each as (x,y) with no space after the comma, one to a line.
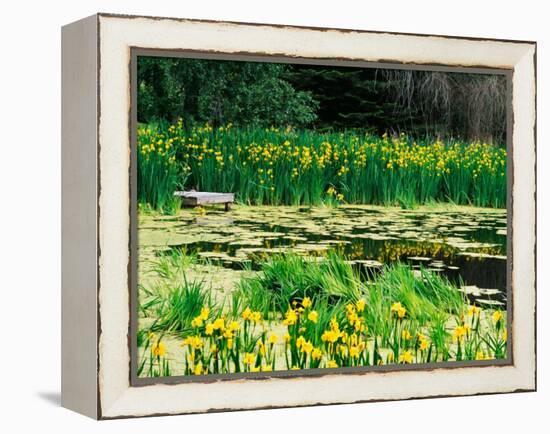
(467,245)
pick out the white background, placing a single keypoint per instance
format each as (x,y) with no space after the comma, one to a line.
(30,216)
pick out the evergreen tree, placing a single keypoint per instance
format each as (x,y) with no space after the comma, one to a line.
(348,97)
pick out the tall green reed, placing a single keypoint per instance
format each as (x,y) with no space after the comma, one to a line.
(304,167)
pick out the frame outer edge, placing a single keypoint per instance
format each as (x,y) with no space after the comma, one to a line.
(79,95)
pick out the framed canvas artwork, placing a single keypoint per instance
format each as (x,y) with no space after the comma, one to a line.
(261,216)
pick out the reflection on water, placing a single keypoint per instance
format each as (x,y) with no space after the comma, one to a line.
(468,246)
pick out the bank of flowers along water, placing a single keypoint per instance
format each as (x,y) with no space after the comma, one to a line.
(287,166)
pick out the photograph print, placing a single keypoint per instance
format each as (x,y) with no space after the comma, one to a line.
(309,217)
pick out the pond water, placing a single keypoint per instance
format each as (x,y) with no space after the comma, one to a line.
(466,244)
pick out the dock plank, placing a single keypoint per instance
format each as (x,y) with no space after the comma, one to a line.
(197,198)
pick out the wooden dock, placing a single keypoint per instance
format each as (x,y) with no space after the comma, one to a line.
(199,198)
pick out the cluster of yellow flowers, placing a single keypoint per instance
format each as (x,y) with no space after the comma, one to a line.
(466,333)
(200,319)
(250,158)
(331,192)
(442,158)
(343,154)
(222,345)
(156,143)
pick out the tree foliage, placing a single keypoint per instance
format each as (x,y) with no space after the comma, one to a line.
(348,97)
(420,103)
(220,92)
(444,104)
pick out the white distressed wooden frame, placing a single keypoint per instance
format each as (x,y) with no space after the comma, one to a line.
(95,213)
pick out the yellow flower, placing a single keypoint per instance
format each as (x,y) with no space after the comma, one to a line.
(359,327)
(193,341)
(313,316)
(300,341)
(406,357)
(360,305)
(290,318)
(406,335)
(272,338)
(247,314)
(287,338)
(332,364)
(209,329)
(228,334)
(306,302)
(256,316)
(261,348)
(204,313)
(267,368)
(473,310)
(316,354)
(196,322)
(399,309)
(423,345)
(248,358)
(334,325)
(158,349)
(233,326)
(423,342)
(219,324)
(330,336)
(307,347)
(497,316)
(459,333)
(230,343)
(480,356)
(198,369)
(352,317)
(255,369)
(504,335)
(354,351)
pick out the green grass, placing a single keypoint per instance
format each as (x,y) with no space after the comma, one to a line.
(173,263)
(285,278)
(159,175)
(288,277)
(305,167)
(152,363)
(427,297)
(329,309)
(176,309)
